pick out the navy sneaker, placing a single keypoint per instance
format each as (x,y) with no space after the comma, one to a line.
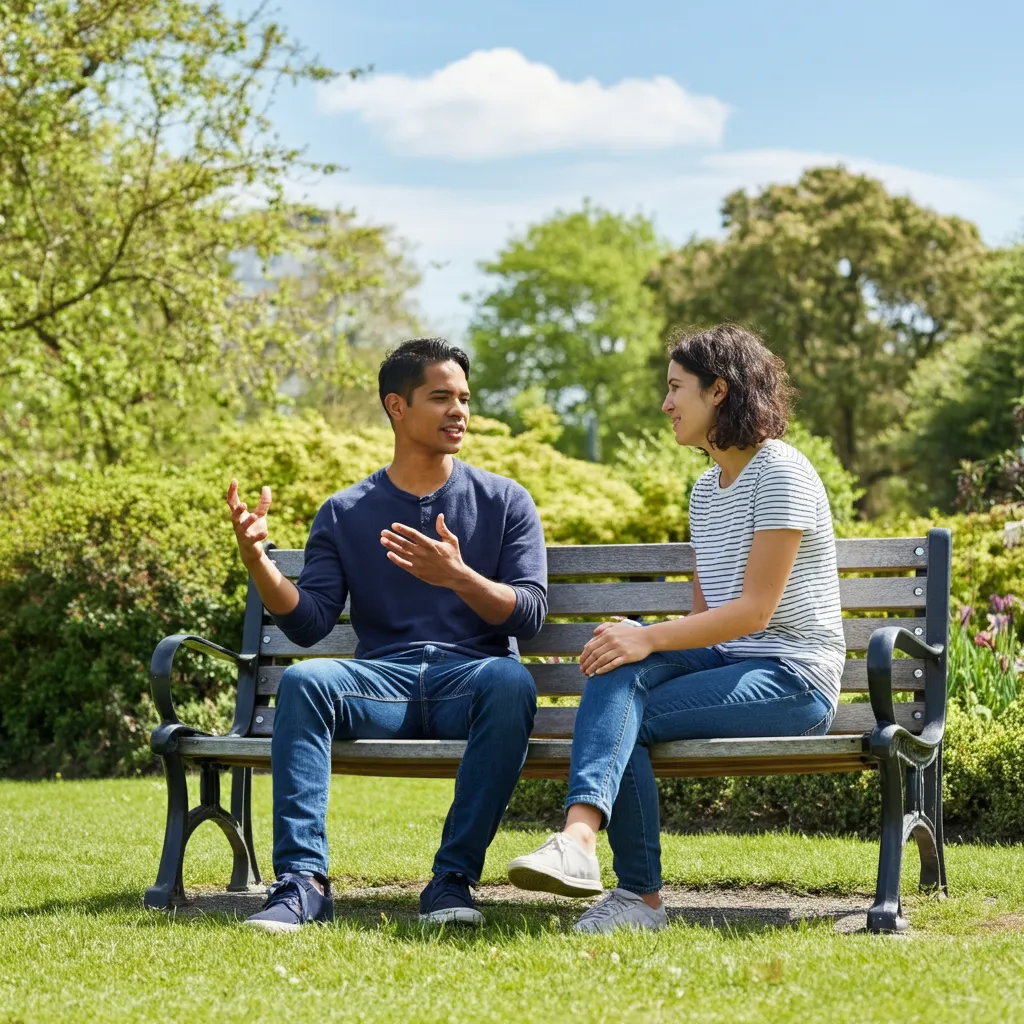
(446,900)
(293,901)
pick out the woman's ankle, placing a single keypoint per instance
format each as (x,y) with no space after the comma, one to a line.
(583,834)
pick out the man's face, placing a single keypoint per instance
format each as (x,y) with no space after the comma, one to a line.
(437,415)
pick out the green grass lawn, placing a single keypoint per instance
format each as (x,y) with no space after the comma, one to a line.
(76,945)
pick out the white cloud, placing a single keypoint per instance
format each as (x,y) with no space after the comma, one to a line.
(496,103)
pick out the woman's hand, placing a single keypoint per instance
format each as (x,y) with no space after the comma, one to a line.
(614,644)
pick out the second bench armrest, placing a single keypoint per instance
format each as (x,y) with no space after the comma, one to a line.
(882,646)
(161,667)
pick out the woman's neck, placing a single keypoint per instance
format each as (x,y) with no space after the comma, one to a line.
(732,461)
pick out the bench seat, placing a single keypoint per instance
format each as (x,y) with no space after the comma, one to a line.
(549,758)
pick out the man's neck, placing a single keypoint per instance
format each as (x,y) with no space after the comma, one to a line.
(420,473)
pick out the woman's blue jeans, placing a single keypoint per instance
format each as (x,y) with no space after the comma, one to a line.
(421,693)
(674,695)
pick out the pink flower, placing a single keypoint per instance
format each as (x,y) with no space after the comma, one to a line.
(965,614)
(984,639)
(1001,604)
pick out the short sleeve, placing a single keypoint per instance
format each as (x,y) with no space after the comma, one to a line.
(785,497)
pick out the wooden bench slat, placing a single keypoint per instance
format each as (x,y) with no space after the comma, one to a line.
(879,593)
(550,758)
(566,680)
(852,555)
(556,639)
(869,593)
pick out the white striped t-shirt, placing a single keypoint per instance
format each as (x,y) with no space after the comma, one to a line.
(777,490)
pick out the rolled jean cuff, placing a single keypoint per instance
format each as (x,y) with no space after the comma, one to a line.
(639,890)
(593,800)
(304,867)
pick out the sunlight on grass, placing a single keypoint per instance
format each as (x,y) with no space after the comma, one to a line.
(75,943)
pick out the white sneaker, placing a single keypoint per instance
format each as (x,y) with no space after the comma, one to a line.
(560,866)
(621,909)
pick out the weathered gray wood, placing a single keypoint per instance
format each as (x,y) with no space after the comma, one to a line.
(558,639)
(549,721)
(550,758)
(859,554)
(879,593)
(907,674)
(566,680)
(868,593)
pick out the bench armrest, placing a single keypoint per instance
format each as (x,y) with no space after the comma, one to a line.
(882,646)
(163,739)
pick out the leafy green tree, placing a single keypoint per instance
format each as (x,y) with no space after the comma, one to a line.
(570,318)
(136,162)
(852,286)
(962,398)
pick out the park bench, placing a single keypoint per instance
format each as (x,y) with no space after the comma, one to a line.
(897,600)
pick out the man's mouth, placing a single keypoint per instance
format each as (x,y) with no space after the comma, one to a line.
(454,431)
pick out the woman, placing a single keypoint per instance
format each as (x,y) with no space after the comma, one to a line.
(760,655)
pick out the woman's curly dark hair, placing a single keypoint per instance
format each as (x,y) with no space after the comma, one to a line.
(760,398)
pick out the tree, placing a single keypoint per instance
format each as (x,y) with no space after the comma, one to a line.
(570,318)
(136,161)
(852,286)
(963,400)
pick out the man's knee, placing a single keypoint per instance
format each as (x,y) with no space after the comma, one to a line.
(302,681)
(507,683)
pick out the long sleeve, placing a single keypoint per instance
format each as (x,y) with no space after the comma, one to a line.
(322,586)
(523,565)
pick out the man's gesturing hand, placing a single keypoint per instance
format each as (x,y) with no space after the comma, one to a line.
(250,527)
(614,644)
(434,561)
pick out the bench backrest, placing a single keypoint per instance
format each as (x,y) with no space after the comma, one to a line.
(892,587)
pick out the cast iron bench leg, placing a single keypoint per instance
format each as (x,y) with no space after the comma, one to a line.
(181,823)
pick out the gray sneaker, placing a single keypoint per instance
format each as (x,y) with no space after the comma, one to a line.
(559,866)
(621,909)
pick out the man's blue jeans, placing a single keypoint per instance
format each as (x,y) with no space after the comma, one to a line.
(421,693)
(675,695)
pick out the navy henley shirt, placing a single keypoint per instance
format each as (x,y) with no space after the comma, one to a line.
(500,536)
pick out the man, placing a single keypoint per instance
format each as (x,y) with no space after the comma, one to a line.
(444,566)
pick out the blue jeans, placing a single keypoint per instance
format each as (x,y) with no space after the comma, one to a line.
(420,693)
(674,695)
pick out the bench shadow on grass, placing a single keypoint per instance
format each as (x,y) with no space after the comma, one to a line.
(733,911)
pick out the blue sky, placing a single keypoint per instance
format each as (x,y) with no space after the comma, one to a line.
(481,118)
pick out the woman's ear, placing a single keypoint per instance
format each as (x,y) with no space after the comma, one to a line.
(719,390)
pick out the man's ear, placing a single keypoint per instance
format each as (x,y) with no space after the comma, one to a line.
(395,405)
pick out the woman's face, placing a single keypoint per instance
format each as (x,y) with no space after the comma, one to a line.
(691,411)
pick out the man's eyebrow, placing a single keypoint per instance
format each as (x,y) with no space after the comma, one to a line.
(448,391)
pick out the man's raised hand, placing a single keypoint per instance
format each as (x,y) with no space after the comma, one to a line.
(434,561)
(250,527)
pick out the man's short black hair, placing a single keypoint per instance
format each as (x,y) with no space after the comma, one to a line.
(405,368)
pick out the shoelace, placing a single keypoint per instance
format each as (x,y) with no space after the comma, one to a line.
(290,891)
(451,886)
(560,842)
(609,906)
